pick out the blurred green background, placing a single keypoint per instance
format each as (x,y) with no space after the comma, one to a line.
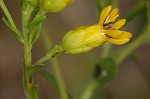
(132,80)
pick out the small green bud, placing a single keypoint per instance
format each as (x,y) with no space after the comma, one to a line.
(54,5)
(83,39)
(34,3)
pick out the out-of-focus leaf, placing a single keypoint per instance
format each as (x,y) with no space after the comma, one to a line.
(51,80)
(107,70)
(133,56)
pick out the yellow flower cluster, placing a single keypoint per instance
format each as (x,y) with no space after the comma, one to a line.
(85,38)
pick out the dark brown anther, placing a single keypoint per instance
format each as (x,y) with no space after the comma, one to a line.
(108,25)
(97,71)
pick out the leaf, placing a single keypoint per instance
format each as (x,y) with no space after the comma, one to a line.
(107,70)
(51,80)
(8,24)
(133,56)
(35,34)
(16,32)
(35,23)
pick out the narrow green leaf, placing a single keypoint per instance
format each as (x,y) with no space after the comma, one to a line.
(8,15)
(35,34)
(51,80)
(133,56)
(8,24)
(35,23)
(148,12)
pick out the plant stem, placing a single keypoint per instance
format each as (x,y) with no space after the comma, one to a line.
(52,52)
(106,50)
(30,89)
(90,90)
(135,11)
(55,67)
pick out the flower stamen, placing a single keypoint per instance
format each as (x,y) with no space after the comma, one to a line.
(108,25)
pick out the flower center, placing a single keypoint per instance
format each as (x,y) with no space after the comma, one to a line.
(108,25)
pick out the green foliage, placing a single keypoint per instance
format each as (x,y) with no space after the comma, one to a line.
(108,70)
(10,22)
(133,56)
(51,81)
(35,33)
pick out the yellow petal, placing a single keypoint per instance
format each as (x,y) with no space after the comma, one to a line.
(125,35)
(112,16)
(119,41)
(114,33)
(104,14)
(119,24)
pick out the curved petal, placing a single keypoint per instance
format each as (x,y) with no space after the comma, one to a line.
(114,33)
(119,24)
(119,41)
(104,13)
(125,35)
(118,34)
(112,16)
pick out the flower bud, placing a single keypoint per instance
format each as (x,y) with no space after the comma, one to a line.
(54,5)
(34,3)
(83,39)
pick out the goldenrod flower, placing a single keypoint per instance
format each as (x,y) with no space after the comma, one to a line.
(85,38)
(110,28)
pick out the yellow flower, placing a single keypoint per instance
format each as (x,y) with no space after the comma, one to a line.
(110,28)
(85,38)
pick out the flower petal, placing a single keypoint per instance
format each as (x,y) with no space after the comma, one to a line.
(114,33)
(119,41)
(112,16)
(125,35)
(119,24)
(104,14)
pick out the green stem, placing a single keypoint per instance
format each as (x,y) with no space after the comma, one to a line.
(30,90)
(55,67)
(135,11)
(106,50)
(90,90)
(54,51)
